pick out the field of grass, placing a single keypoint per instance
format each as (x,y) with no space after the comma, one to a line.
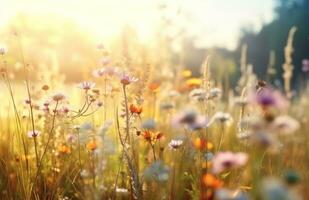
(131,130)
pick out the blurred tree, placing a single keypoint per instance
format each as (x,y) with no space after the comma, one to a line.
(273,37)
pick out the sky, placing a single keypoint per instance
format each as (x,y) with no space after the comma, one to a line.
(217,22)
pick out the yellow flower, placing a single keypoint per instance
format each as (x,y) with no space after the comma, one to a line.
(186,73)
(194,82)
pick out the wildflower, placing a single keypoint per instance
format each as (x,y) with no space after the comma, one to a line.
(107,71)
(92,145)
(186,73)
(135,109)
(158,171)
(202,144)
(228,160)
(3,50)
(305,67)
(223,117)
(99,103)
(175,144)
(63,149)
(214,92)
(86,85)
(46,103)
(268,98)
(193,82)
(211,181)
(126,79)
(198,94)
(45,87)
(71,138)
(58,97)
(149,124)
(33,134)
(286,124)
(154,87)
(64,110)
(27,101)
(190,119)
(151,136)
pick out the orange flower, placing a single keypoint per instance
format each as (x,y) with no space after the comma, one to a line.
(152,137)
(202,144)
(135,109)
(64,149)
(92,145)
(211,181)
(154,87)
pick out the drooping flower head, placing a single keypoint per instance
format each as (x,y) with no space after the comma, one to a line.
(227,160)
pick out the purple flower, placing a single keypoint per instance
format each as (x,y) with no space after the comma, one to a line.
(33,134)
(191,119)
(228,160)
(267,97)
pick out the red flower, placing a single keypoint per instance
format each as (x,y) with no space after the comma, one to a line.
(135,109)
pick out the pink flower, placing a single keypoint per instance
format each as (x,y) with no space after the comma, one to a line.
(33,134)
(64,110)
(228,160)
(86,85)
(126,79)
(100,46)
(110,71)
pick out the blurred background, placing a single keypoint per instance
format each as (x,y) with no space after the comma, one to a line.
(61,36)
